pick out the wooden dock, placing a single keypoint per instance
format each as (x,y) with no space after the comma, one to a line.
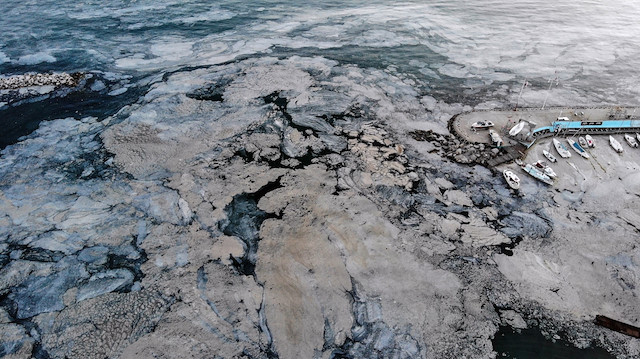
(511,153)
(618,326)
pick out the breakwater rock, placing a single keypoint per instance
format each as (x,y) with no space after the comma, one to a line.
(452,147)
(39,79)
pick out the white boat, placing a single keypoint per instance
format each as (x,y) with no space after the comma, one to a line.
(512,180)
(615,144)
(590,142)
(549,156)
(630,140)
(638,136)
(482,124)
(537,174)
(495,138)
(516,129)
(546,168)
(576,147)
(582,141)
(563,151)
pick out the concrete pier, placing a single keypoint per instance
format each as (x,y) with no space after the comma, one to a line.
(504,120)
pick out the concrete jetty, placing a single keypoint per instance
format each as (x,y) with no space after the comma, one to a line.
(536,118)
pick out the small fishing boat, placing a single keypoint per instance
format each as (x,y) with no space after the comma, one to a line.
(582,141)
(537,174)
(615,144)
(546,168)
(590,142)
(512,180)
(581,151)
(563,151)
(516,129)
(549,156)
(630,140)
(495,138)
(481,125)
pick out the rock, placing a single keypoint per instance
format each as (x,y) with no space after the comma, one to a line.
(105,282)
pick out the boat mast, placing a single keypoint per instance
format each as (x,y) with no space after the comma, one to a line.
(524,84)
(550,81)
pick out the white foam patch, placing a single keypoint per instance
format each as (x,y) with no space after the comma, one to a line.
(118,92)
(4,58)
(36,58)
(172,50)
(211,15)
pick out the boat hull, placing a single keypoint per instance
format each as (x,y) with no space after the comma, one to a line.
(562,150)
(512,180)
(537,174)
(576,147)
(615,144)
(549,156)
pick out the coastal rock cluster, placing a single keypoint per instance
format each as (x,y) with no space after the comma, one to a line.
(266,208)
(456,149)
(40,79)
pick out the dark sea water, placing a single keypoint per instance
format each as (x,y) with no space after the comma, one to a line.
(531,344)
(464,53)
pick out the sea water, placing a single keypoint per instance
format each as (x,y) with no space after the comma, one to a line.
(461,53)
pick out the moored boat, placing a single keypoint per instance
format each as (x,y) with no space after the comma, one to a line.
(516,129)
(615,144)
(581,151)
(638,136)
(481,124)
(590,142)
(563,151)
(582,141)
(512,180)
(630,140)
(546,168)
(549,156)
(537,174)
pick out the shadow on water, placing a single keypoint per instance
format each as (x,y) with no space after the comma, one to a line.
(531,344)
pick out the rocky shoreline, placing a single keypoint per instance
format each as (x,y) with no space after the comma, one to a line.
(280,208)
(40,79)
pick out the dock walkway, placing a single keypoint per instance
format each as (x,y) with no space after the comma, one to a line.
(544,123)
